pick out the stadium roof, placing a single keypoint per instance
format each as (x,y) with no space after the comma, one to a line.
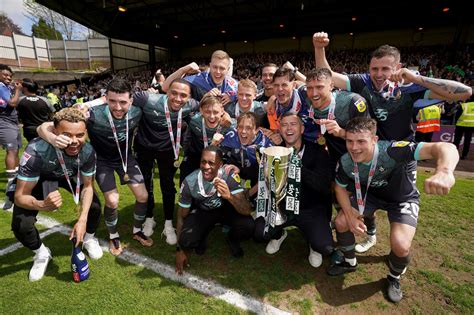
(186,23)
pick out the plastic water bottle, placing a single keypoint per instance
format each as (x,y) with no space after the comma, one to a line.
(79,265)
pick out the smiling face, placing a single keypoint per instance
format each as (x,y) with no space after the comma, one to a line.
(245,97)
(291,130)
(319,92)
(119,103)
(380,70)
(247,131)
(212,114)
(283,89)
(76,131)
(6,76)
(267,77)
(218,69)
(360,145)
(209,165)
(178,94)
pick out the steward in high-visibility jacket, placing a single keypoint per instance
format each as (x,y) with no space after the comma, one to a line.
(429,119)
(467,117)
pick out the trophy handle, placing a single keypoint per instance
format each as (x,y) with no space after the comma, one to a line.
(280,217)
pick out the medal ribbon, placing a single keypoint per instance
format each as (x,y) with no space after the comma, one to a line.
(202,191)
(63,166)
(114,131)
(170,130)
(332,108)
(373,165)
(205,139)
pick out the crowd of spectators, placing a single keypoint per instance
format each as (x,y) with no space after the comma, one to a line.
(438,61)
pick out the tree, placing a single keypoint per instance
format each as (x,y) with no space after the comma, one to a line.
(65,26)
(7,26)
(42,30)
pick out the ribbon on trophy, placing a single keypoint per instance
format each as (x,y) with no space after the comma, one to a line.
(272,189)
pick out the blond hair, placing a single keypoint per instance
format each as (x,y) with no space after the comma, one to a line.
(247,83)
(220,54)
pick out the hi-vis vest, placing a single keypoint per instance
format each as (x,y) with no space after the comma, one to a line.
(467,117)
(53,99)
(429,119)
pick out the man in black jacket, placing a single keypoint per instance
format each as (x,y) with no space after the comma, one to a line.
(315,195)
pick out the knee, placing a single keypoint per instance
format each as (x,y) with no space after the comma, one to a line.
(341,223)
(142,195)
(112,201)
(401,247)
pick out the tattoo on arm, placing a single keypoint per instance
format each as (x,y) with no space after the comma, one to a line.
(451,87)
(241,204)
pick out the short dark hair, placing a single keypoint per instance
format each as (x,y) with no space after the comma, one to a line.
(216,150)
(30,85)
(290,113)
(249,115)
(181,81)
(319,73)
(5,67)
(360,124)
(119,86)
(284,72)
(386,50)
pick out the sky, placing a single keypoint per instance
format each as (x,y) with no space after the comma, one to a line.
(15,11)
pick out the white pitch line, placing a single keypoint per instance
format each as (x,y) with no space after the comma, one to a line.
(207,287)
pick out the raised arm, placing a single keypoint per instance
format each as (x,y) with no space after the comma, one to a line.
(187,69)
(45,131)
(13,102)
(440,89)
(320,42)
(238,200)
(447,158)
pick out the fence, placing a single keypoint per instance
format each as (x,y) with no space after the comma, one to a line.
(31,52)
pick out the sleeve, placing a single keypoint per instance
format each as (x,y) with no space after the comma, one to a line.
(356,82)
(233,181)
(185,197)
(358,107)
(341,177)
(4,95)
(88,168)
(140,99)
(30,166)
(404,151)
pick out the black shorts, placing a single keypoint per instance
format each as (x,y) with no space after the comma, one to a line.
(105,174)
(400,212)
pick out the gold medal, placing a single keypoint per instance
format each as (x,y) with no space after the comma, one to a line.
(177,163)
(126,177)
(321,140)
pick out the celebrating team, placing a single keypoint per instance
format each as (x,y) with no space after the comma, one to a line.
(352,147)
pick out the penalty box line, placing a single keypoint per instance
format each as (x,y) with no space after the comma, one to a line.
(207,287)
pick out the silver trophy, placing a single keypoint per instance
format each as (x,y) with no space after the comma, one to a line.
(278,159)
